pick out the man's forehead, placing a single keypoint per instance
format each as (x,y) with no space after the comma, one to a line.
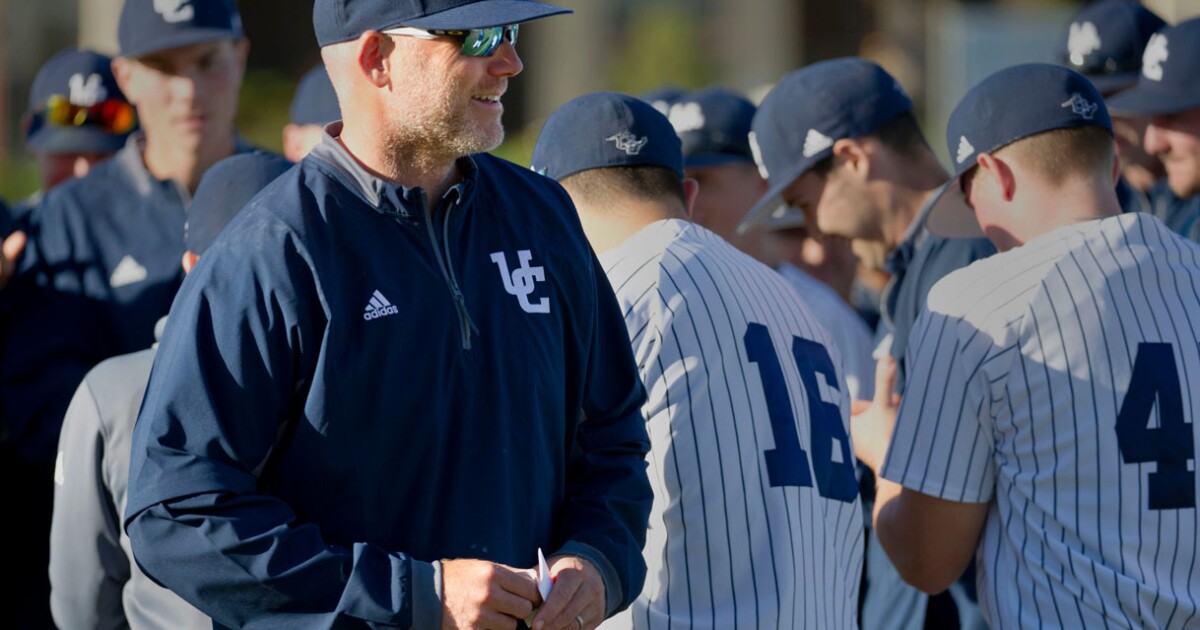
(185,54)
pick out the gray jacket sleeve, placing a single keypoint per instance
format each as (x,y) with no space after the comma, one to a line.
(88,568)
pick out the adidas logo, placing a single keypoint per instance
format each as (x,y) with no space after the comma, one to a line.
(378,307)
(965,150)
(128,272)
(816,142)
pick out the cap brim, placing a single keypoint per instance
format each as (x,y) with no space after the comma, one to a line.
(950,216)
(75,140)
(772,200)
(783,217)
(486,14)
(714,159)
(190,37)
(1150,101)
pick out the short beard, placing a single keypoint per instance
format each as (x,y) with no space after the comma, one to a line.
(432,139)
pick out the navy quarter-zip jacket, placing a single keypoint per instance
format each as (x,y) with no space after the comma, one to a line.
(355,384)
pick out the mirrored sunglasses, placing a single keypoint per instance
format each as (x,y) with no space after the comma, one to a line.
(112,116)
(476,42)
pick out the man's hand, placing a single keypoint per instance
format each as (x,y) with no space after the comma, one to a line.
(872,422)
(482,595)
(10,253)
(577,601)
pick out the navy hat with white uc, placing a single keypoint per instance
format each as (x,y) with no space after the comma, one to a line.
(798,123)
(1105,42)
(603,130)
(315,102)
(1170,69)
(343,20)
(1009,105)
(224,190)
(75,106)
(150,26)
(714,125)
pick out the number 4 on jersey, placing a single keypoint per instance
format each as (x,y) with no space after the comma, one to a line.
(1170,445)
(787,463)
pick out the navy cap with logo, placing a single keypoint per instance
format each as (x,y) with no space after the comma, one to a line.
(315,102)
(150,26)
(75,106)
(603,130)
(1105,41)
(343,20)
(1009,105)
(1170,68)
(714,125)
(224,190)
(809,110)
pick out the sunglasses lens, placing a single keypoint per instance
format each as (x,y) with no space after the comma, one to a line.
(115,117)
(481,42)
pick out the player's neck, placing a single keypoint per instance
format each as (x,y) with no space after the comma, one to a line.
(182,164)
(409,166)
(609,227)
(917,183)
(1069,203)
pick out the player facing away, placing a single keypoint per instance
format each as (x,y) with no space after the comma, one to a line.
(1049,425)
(756,516)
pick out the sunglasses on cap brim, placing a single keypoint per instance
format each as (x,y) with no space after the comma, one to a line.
(476,42)
(112,116)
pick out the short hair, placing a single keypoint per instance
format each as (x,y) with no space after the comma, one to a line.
(901,135)
(1062,154)
(650,183)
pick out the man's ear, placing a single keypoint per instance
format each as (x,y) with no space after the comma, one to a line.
(373,50)
(691,190)
(849,153)
(999,172)
(122,69)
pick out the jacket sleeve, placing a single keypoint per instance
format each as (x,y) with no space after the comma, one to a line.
(608,491)
(88,567)
(233,370)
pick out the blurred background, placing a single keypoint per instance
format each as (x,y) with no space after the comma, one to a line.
(936,48)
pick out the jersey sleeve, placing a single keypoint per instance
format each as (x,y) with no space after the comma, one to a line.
(230,376)
(88,567)
(608,493)
(942,444)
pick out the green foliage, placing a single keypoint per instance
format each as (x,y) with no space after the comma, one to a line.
(263,109)
(660,47)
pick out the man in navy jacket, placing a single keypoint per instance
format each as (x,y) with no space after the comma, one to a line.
(401,372)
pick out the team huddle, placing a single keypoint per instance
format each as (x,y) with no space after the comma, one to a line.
(391,380)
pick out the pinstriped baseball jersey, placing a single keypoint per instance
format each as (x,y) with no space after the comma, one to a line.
(756,520)
(1061,381)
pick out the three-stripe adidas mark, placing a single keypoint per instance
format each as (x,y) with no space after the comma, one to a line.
(378,307)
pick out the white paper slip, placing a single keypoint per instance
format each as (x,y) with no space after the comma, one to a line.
(544,582)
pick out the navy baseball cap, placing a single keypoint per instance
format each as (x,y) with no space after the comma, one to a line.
(150,26)
(1009,105)
(1170,69)
(224,190)
(811,109)
(85,80)
(714,126)
(343,20)
(1105,42)
(315,102)
(602,130)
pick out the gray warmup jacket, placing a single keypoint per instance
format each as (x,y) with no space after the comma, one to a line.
(94,581)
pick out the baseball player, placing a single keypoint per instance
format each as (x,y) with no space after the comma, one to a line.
(714,126)
(102,261)
(756,519)
(1167,91)
(838,141)
(400,371)
(313,106)
(95,582)
(1048,429)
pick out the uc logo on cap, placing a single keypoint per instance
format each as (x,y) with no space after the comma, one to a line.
(175,11)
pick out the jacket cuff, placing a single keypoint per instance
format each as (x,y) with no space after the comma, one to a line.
(613,593)
(426,594)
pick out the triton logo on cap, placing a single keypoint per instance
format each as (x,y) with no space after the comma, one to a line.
(964,149)
(816,142)
(627,142)
(175,11)
(86,92)
(1082,106)
(1152,60)
(1082,41)
(686,117)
